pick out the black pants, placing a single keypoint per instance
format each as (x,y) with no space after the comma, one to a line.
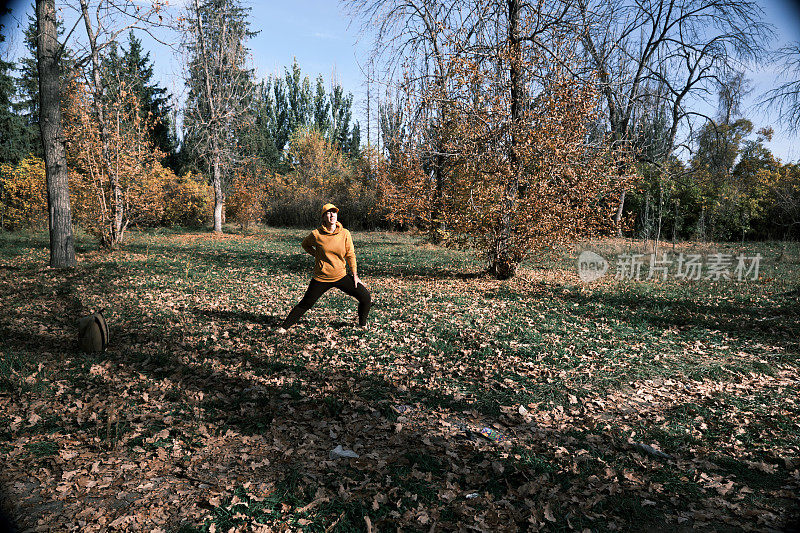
(317,288)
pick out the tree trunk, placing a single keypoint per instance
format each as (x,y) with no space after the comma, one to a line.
(216,182)
(62,244)
(436,234)
(504,259)
(618,214)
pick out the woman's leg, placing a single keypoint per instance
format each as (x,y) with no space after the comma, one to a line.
(314,291)
(348,285)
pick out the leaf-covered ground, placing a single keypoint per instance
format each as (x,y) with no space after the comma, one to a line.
(617,405)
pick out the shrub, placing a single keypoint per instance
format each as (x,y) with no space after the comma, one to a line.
(188,200)
(23,194)
(246,196)
(321,174)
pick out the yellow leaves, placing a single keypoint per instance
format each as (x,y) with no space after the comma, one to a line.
(23,194)
(316,161)
(246,195)
(187,199)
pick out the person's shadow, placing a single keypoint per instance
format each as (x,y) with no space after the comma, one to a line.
(241,316)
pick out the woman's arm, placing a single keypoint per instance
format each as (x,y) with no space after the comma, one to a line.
(308,245)
(350,257)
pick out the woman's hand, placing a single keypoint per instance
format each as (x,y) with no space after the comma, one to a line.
(357,280)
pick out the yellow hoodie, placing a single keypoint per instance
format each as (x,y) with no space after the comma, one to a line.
(330,251)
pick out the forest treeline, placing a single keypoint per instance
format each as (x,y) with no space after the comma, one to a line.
(505,126)
(164,174)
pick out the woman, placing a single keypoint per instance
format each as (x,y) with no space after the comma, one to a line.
(332,248)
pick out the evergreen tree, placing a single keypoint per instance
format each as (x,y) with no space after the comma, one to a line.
(28,81)
(278,113)
(354,145)
(298,99)
(27,102)
(261,138)
(286,104)
(341,112)
(15,139)
(134,71)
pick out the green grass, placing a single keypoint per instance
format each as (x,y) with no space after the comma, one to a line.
(42,448)
(704,371)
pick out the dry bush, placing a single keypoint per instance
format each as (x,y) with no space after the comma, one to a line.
(320,174)
(247,194)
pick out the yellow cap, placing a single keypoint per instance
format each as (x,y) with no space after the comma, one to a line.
(329,207)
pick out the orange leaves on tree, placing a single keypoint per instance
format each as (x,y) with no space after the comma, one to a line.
(519,163)
(131,157)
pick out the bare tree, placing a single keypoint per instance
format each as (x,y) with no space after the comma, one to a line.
(62,245)
(785,98)
(219,86)
(677,51)
(417,41)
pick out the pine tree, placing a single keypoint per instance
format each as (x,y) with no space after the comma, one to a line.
(27,102)
(134,71)
(15,139)
(28,81)
(27,105)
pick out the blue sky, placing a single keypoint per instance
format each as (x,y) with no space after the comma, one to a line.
(318,33)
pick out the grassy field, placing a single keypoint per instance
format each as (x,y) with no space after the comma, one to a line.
(614,405)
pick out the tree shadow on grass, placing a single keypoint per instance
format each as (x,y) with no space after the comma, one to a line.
(416,465)
(341,397)
(780,325)
(300,262)
(411,460)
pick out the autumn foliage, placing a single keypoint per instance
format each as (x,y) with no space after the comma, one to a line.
(132,159)
(23,195)
(247,194)
(513,179)
(319,173)
(532,404)
(151,194)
